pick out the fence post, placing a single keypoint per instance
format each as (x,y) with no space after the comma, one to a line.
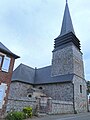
(38,104)
(49,105)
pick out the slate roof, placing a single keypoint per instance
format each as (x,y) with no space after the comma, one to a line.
(6,50)
(67,35)
(33,76)
(67,25)
(66,40)
(43,76)
(24,73)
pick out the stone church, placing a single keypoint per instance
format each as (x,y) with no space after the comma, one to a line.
(63,80)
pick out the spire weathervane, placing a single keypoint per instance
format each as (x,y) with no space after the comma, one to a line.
(66,1)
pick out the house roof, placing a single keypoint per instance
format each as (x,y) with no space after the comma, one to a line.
(30,75)
(6,50)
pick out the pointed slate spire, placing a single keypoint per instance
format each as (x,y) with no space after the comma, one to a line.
(67,25)
(67,35)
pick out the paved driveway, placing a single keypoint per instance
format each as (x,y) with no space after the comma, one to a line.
(84,116)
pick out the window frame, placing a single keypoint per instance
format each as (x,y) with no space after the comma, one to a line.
(4,67)
(1,63)
(6,64)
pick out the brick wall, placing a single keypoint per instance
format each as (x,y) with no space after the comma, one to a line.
(5,77)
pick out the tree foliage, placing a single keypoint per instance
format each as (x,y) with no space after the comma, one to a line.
(88,86)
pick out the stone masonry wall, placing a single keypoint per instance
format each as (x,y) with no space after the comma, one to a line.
(59,91)
(62,62)
(19,89)
(54,106)
(89,107)
(67,61)
(80,98)
(78,62)
(61,97)
(59,107)
(17,104)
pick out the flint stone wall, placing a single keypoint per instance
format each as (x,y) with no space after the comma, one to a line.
(67,60)
(58,91)
(89,107)
(17,104)
(54,106)
(80,98)
(59,107)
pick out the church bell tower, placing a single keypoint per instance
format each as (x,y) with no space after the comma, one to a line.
(67,55)
(67,60)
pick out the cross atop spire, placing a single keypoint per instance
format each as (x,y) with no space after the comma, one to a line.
(67,25)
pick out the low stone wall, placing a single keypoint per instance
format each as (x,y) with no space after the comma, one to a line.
(89,107)
(60,107)
(19,104)
(52,107)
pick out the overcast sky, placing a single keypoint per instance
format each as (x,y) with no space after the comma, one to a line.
(28,29)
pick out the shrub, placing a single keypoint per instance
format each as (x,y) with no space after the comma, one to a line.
(15,116)
(28,111)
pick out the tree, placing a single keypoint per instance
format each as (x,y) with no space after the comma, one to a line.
(88,87)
